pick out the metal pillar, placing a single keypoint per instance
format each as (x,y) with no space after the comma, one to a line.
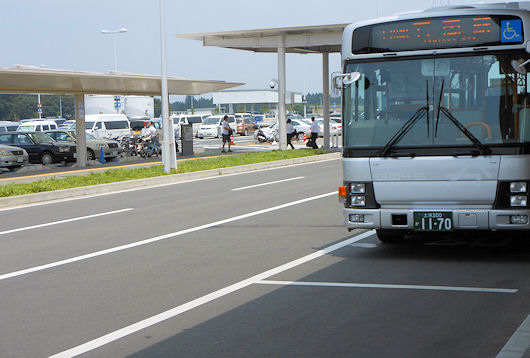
(80,130)
(325,97)
(281,94)
(168,144)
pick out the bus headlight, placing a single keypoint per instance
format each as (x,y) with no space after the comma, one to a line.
(358,200)
(357,188)
(517,200)
(518,187)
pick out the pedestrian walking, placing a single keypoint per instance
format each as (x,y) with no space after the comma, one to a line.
(291,132)
(315,128)
(226,133)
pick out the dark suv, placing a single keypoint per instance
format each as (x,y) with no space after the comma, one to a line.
(41,147)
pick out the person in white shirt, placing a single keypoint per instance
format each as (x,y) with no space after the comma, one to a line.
(226,133)
(315,128)
(150,130)
(290,133)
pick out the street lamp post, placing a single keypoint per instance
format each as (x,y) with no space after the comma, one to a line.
(115,33)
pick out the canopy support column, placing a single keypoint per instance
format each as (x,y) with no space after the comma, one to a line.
(281,94)
(325,97)
(80,130)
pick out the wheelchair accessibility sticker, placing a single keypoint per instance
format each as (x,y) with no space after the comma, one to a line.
(511,31)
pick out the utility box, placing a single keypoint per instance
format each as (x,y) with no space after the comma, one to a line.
(186,139)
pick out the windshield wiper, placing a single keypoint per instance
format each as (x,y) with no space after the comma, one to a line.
(408,126)
(485,150)
(404,130)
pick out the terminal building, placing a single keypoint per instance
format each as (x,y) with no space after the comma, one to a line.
(230,100)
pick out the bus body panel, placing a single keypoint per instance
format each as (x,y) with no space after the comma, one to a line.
(514,167)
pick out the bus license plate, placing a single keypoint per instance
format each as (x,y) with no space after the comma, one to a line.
(433,221)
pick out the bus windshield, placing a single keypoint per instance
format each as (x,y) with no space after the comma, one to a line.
(482,92)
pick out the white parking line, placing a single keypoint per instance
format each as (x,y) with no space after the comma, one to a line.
(135,327)
(519,343)
(64,221)
(377,285)
(158,238)
(271,182)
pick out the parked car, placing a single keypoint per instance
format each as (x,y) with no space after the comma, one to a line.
(301,128)
(334,127)
(194,119)
(107,125)
(211,126)
(37,126)
(12,157)
(245,125)
(41,147)
(7,126)
(69,124)
(138,125)
(111,148)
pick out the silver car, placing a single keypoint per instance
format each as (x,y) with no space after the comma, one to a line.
(12,157)
(111,148)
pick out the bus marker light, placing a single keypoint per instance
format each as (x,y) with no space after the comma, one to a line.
(342,193)
(517,219)
(357,218)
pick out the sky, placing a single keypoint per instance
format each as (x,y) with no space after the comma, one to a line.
(66,34)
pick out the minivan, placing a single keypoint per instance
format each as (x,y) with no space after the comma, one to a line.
(36,126)
(107,125)
(211,125)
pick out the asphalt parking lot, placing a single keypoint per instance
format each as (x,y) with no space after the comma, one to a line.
(254,264)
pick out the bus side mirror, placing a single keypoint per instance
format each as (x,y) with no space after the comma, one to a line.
(339,80)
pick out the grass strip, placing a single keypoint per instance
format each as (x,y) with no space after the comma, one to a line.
(117,175)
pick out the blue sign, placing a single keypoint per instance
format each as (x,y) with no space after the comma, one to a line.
(117,105)
(39,110)
(511,31)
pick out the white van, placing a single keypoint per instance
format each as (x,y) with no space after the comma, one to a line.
(7,126)
(36,126)
(107,125)
(194,119)
(211,125)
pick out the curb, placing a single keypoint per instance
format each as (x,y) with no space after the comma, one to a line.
(26,199)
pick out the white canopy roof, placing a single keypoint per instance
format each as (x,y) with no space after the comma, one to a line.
(304,39)
(37,80)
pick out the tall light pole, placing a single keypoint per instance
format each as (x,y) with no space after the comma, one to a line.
(115,33)
(169,155)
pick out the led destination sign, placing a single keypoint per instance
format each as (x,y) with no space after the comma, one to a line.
(438,33)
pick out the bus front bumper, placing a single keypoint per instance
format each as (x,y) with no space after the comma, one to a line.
(462,219)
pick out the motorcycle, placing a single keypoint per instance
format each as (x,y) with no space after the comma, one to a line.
(269,134)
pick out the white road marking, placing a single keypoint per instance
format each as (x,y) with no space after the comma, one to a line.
(377,285)
(135,327)
(64,221)
(158,238)
(160,185)
(518,343)
(271,182)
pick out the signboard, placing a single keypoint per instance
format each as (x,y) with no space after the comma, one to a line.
(438,33)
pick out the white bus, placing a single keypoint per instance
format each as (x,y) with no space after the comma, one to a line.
(436,121)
